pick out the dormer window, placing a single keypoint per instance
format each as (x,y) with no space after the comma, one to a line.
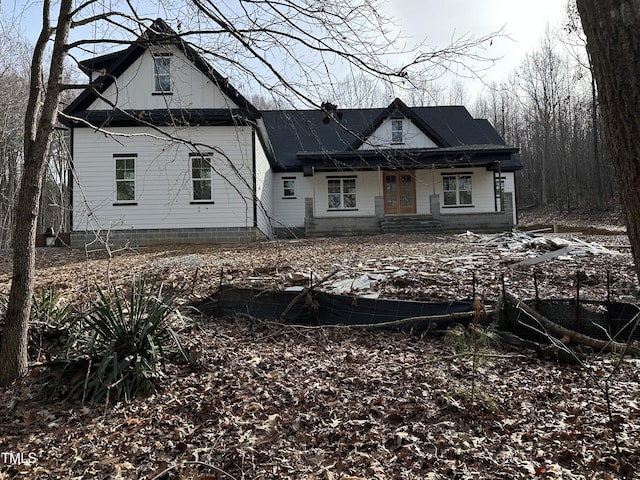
(162,74)
(396,131)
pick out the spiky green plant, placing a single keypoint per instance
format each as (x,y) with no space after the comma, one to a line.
(48,322)
(118,348)
(474,340)
(46,309)
(466,339)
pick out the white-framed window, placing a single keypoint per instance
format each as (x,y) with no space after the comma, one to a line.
(397,135)
(125,177)
(202,188)
(162,73)
(289,187)
(341,193)
(456,190)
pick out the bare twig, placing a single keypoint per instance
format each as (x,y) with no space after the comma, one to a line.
(191,462)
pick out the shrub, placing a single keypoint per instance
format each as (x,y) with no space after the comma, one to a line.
(48,321)
(117,350)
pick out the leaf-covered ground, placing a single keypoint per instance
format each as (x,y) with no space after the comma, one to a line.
(271,401)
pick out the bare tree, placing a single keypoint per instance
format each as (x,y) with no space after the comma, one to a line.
(40,120)
(14,87)
(312,40)
(613,44)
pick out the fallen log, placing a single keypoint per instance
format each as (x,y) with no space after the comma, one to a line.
(570,335)
(557,351)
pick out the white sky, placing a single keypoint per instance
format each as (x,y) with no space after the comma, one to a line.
(438,21)
(434,22)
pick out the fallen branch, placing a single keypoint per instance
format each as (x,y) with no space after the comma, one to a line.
(556,351)
(571,335)
(191,462)
(403,321)
(304,292)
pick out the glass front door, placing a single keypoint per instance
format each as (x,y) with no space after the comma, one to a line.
(399,193)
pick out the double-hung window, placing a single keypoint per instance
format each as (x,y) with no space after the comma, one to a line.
(162,74)
(201,178)
(456,190)
(341,193)
(397,135)
(125,175)
(289,187)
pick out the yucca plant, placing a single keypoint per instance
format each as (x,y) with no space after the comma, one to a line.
(48,322)
(118,348)
(46,309)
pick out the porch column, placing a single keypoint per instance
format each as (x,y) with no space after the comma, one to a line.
(434,205)
(508,207)
(308,207)
(379,206)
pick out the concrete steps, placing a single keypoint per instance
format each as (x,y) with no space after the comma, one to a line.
(410,224)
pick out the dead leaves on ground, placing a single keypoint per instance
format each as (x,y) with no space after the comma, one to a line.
(281,402)
(273,402)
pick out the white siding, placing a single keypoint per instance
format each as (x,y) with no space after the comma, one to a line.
(289,212)
(190,87)
(264,189)
(163,184)
(412,137)
(424,189)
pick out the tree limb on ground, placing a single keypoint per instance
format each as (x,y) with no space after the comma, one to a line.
(603,345)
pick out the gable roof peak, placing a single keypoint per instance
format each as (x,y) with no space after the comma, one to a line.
(159,32)
(398,107)
(395,109)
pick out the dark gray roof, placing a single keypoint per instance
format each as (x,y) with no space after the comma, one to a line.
(311,137)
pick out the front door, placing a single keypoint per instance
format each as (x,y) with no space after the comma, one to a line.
(399,193)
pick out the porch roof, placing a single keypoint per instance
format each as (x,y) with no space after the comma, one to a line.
(492,157)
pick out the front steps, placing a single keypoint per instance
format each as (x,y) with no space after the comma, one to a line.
(410,224)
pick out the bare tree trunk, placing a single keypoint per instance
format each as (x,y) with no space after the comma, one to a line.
(613,43)
(40,120)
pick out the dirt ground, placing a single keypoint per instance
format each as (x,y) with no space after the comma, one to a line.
(420,267)
(273,401)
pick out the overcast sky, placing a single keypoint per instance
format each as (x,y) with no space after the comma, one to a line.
(524,22)
(434,22)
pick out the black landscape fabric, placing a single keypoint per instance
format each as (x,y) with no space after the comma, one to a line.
(601,320)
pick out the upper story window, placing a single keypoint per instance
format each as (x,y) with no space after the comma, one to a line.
(162,74)
(397,135)
(289,187)
(456,190)
(125,166)
(201,178)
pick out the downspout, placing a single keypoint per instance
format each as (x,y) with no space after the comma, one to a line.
(255,181)
(500,189)
(313,182)
(513,200)
(70,179)
(495,192)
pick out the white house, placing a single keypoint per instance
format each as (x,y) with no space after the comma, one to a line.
(165,150)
